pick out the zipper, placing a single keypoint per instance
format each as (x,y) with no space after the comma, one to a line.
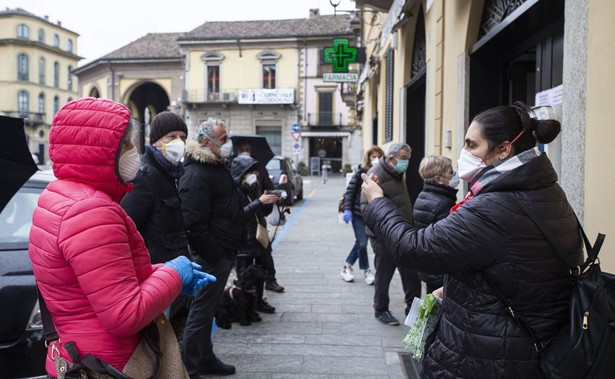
(585,320)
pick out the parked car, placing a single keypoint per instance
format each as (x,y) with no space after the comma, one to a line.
(22,343)
(285,176)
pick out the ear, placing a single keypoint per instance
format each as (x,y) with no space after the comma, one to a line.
(505,151)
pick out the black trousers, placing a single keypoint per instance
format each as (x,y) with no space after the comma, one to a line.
(197,348)
(385,268)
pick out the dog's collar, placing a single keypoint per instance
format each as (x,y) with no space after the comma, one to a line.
(234,287)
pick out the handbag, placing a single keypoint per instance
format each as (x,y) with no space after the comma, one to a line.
(156,356)
(585,346)
(262,234)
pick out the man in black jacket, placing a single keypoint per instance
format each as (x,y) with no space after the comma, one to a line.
(213,213)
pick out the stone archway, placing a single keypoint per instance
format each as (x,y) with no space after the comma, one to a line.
(146,100)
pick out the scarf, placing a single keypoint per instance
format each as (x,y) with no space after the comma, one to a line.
(492,173)
(168,167)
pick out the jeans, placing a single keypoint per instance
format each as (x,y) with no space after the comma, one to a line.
(359,250)
(385,268)
(197,346)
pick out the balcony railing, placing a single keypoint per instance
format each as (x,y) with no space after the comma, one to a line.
(329,119)
(31,118)
(201,95)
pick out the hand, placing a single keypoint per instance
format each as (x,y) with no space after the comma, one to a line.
(370,187)
(347,216)
(439,293)
(192,279)
(269,198)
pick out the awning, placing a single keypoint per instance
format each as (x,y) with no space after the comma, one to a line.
(326,134)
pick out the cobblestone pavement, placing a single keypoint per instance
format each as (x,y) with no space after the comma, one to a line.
(323,327)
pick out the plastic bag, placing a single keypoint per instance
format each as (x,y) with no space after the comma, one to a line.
(424,316)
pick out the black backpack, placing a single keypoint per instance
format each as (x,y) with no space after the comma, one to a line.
(585,346)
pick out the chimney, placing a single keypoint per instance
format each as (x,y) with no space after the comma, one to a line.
(59,23)
(46,17)
(314,12)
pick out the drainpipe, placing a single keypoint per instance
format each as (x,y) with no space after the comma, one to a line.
(112,80)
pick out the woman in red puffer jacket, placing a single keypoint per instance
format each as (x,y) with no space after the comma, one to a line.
(90,263)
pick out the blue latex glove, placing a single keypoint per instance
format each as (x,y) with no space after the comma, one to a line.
(192,279)
(347,216)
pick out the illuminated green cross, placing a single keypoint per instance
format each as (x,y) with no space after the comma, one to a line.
(340,55)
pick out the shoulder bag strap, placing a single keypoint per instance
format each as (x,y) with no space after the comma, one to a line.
(49,328)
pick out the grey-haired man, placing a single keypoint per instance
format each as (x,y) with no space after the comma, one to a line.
(213,214)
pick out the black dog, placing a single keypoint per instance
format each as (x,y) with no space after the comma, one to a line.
(238,301)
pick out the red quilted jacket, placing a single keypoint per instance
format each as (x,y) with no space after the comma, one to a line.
(90,262)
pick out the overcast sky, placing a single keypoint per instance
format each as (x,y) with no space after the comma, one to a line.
(104,26)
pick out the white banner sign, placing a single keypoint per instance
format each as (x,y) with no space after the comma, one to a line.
(267,96)
(340,77)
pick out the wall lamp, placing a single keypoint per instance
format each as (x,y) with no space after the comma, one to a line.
(336,3)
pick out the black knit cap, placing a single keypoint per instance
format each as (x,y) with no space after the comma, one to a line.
(166,122)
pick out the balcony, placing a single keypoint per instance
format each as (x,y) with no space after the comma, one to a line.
(349,94)
(30,118)
(201,95)
(325,119)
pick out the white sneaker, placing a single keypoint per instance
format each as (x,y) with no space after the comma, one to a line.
(347,274)
(369,277)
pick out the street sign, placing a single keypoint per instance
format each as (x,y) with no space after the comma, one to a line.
(296,135)
(296,148)
(340,77)
(296,128)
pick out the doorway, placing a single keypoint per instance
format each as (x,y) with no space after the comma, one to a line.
(415,132)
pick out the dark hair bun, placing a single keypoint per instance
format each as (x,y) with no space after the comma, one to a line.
(547,130)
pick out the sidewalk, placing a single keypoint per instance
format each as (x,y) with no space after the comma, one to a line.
(323,327)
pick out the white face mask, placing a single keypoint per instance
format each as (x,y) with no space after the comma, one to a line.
(251,179)
(469,165)
(454,181)
(129,164)
(227,149)
(174,150)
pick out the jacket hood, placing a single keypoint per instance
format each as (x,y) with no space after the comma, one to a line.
(242,164)
(196,153)
(84,141)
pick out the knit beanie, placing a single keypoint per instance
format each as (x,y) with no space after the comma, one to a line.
(166,122)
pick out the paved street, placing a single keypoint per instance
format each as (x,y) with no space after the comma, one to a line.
(323,327)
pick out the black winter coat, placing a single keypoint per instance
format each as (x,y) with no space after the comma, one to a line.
(211,205)
(352,196)
(155,208)
(432,204)
(253,209)
(490,235)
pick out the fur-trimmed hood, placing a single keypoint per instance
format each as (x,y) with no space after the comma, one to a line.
(194,151)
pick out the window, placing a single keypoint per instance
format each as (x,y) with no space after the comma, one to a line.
(213,81)
(23,103)
(23,32)
(41,35)
(41,70)
(269,60)
(69,46)
(56,41)
(69,81)
(22,67)
(273,135)
(325,108)
(269,76)
(41,103)
(56,104)
(56,74)
(388,102)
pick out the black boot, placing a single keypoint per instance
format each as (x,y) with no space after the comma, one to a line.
(263,306)
(217,367)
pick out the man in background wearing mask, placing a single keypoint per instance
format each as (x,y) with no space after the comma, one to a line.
(153,204)
(213,213)
(390,172)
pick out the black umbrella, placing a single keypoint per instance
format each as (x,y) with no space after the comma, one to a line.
(16,163)
(259,147)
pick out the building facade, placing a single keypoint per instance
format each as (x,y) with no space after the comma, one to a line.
(259,77)
(38,59)
(435,64)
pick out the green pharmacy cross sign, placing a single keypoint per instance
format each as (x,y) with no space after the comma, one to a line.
(341,55)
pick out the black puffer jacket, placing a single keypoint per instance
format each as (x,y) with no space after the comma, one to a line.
(490,235)
(352,196)
(155,208)
(432,204)
(211,205)
(252,206)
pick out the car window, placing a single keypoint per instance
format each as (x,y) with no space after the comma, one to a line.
(16,217)
(274,164)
